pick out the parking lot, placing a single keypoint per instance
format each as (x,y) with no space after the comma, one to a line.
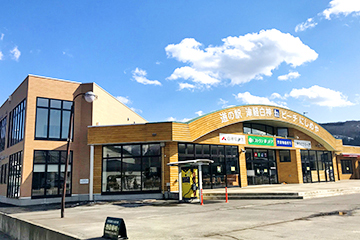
(238,219)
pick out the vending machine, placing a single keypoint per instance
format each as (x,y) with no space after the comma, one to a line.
(190,184)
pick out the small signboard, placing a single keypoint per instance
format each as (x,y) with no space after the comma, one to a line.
(84,181)
(265,141)
(115,228)
(232,138)
(302,144)
(280,142)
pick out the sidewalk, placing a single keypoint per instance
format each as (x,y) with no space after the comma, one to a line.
(160,219)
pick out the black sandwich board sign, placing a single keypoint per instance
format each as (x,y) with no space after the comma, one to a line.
(115,228)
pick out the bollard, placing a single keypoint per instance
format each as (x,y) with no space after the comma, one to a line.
(201,196)
(226,195)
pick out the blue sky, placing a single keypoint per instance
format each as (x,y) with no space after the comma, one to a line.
(176,60)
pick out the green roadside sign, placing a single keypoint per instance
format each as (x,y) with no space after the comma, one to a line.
(264,141)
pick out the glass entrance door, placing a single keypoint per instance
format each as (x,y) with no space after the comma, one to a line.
(317,166)
(261,166)
(305,163)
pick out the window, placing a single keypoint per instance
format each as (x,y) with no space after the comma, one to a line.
(282,132)
(49,172)
(225,169)
(2,134)
(284,155)
(258,129)
(52,119)
(346,166)
(14,181)
(16,124)
(3,174)
(131,168)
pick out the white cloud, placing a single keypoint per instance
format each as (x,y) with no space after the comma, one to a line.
(224,103)
(240,59)
(139,75)
(66,53)
(321,96)
(172,119)
(344,7)
(310,23)
(290,75)
(124,100)
(1,55)
(186,85)
(337,7)
(2,36)
(199,113)
(196,76)
(136,110)
(15,53)
(277,95)
(247,98)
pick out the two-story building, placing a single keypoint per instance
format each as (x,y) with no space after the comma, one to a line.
(34,126)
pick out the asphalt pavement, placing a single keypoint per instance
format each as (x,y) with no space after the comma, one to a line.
(336,217)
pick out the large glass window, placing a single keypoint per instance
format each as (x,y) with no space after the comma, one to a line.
(16,124)
(131,168)
(52,119)
(346,167)
(14,176)
(2,134)
(49,172)
(225,169)
(262,129)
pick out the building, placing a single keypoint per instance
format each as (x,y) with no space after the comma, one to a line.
(250,145)
(116,154)
(34,125)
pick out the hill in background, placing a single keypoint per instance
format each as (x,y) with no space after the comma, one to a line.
(348,131)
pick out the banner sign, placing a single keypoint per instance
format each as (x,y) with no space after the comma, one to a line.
(302,144)
(232,138)
(265,112)
(283,142)
(264,141)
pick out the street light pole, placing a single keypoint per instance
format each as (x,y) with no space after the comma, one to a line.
(89,97)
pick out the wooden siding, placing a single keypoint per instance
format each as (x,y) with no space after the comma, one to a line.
(130,133)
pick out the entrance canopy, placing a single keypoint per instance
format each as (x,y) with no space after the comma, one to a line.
(190,163)
(195,162)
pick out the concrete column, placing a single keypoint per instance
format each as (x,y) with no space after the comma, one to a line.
(91,183)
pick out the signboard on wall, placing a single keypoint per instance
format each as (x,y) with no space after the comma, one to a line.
(302,144)
(283,142)
(232,138)
(264,141)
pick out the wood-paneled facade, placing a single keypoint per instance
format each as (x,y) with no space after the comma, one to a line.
(207,129)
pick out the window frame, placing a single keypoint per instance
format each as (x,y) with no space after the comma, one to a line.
(281,157)
(50,109)
(142,156)
(59,164)
(268,130)
(346,163)
(14,175)
(16,124)
(3,125)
